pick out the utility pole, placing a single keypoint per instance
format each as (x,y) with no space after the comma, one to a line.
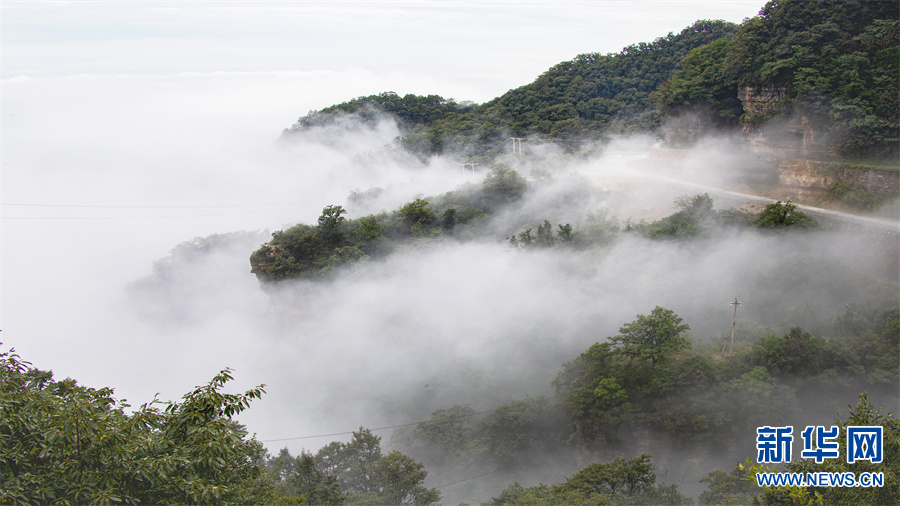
(463,165)
(734,323)
(517,144)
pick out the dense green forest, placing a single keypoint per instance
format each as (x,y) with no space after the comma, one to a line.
(835,63)
(830,65)
(63,442)
(574,100)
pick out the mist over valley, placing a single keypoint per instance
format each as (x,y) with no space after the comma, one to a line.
(462,280)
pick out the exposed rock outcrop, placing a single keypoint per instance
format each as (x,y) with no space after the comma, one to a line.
(263,259)
(815,178)
(792,135)
(760,100)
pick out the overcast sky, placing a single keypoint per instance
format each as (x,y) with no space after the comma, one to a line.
(476,50)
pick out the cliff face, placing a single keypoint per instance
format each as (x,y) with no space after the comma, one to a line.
(760,100)
(804,179)
(792,136)
(812,178)
(262,260)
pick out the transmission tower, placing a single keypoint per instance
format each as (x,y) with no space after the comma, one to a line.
(463,165)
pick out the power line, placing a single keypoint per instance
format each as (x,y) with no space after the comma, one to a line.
(472,478)
(377,428)
(187,206)
(389,426)
(159,216)
(276,207)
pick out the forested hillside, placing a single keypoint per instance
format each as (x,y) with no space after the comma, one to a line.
(579,99)
(833,63)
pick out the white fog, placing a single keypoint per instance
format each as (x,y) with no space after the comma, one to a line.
(118,148)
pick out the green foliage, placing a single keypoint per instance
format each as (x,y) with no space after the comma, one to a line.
(865,414)
(697,218)
(578,99)
(618,482)
(417,216)
(565,236)
(593,394)
(703,86)
(502,186)
(625,477)
(729,488)
(300,478)
(870,346)
(448,220)
(341,256)
(594,93)
(508,437)
(318,252)
(444,437)
(303,251)
(780,215)
(796,353)
(600,229)
(855,196)
(514,431)
(699,394)
(837,63)
(652,337)
(410,109)
(402,478)
(61,442)
(724,487)
(330,224)
(356,472)
(545,235)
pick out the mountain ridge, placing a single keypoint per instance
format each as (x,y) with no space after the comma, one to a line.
(830,71)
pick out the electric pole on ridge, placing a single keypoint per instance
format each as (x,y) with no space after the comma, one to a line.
(517,144)
(734,324)
(463,165)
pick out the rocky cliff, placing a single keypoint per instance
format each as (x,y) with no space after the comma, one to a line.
(789,135)
(810,178)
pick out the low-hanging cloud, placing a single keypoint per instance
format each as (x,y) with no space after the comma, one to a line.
(390,340)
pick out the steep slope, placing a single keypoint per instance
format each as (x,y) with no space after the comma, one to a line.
(581,98)
(830,70)
(825,73)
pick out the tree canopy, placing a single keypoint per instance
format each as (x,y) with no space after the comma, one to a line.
(652,337)
(836,63)
(579,99)
(62,442)
(356,472)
